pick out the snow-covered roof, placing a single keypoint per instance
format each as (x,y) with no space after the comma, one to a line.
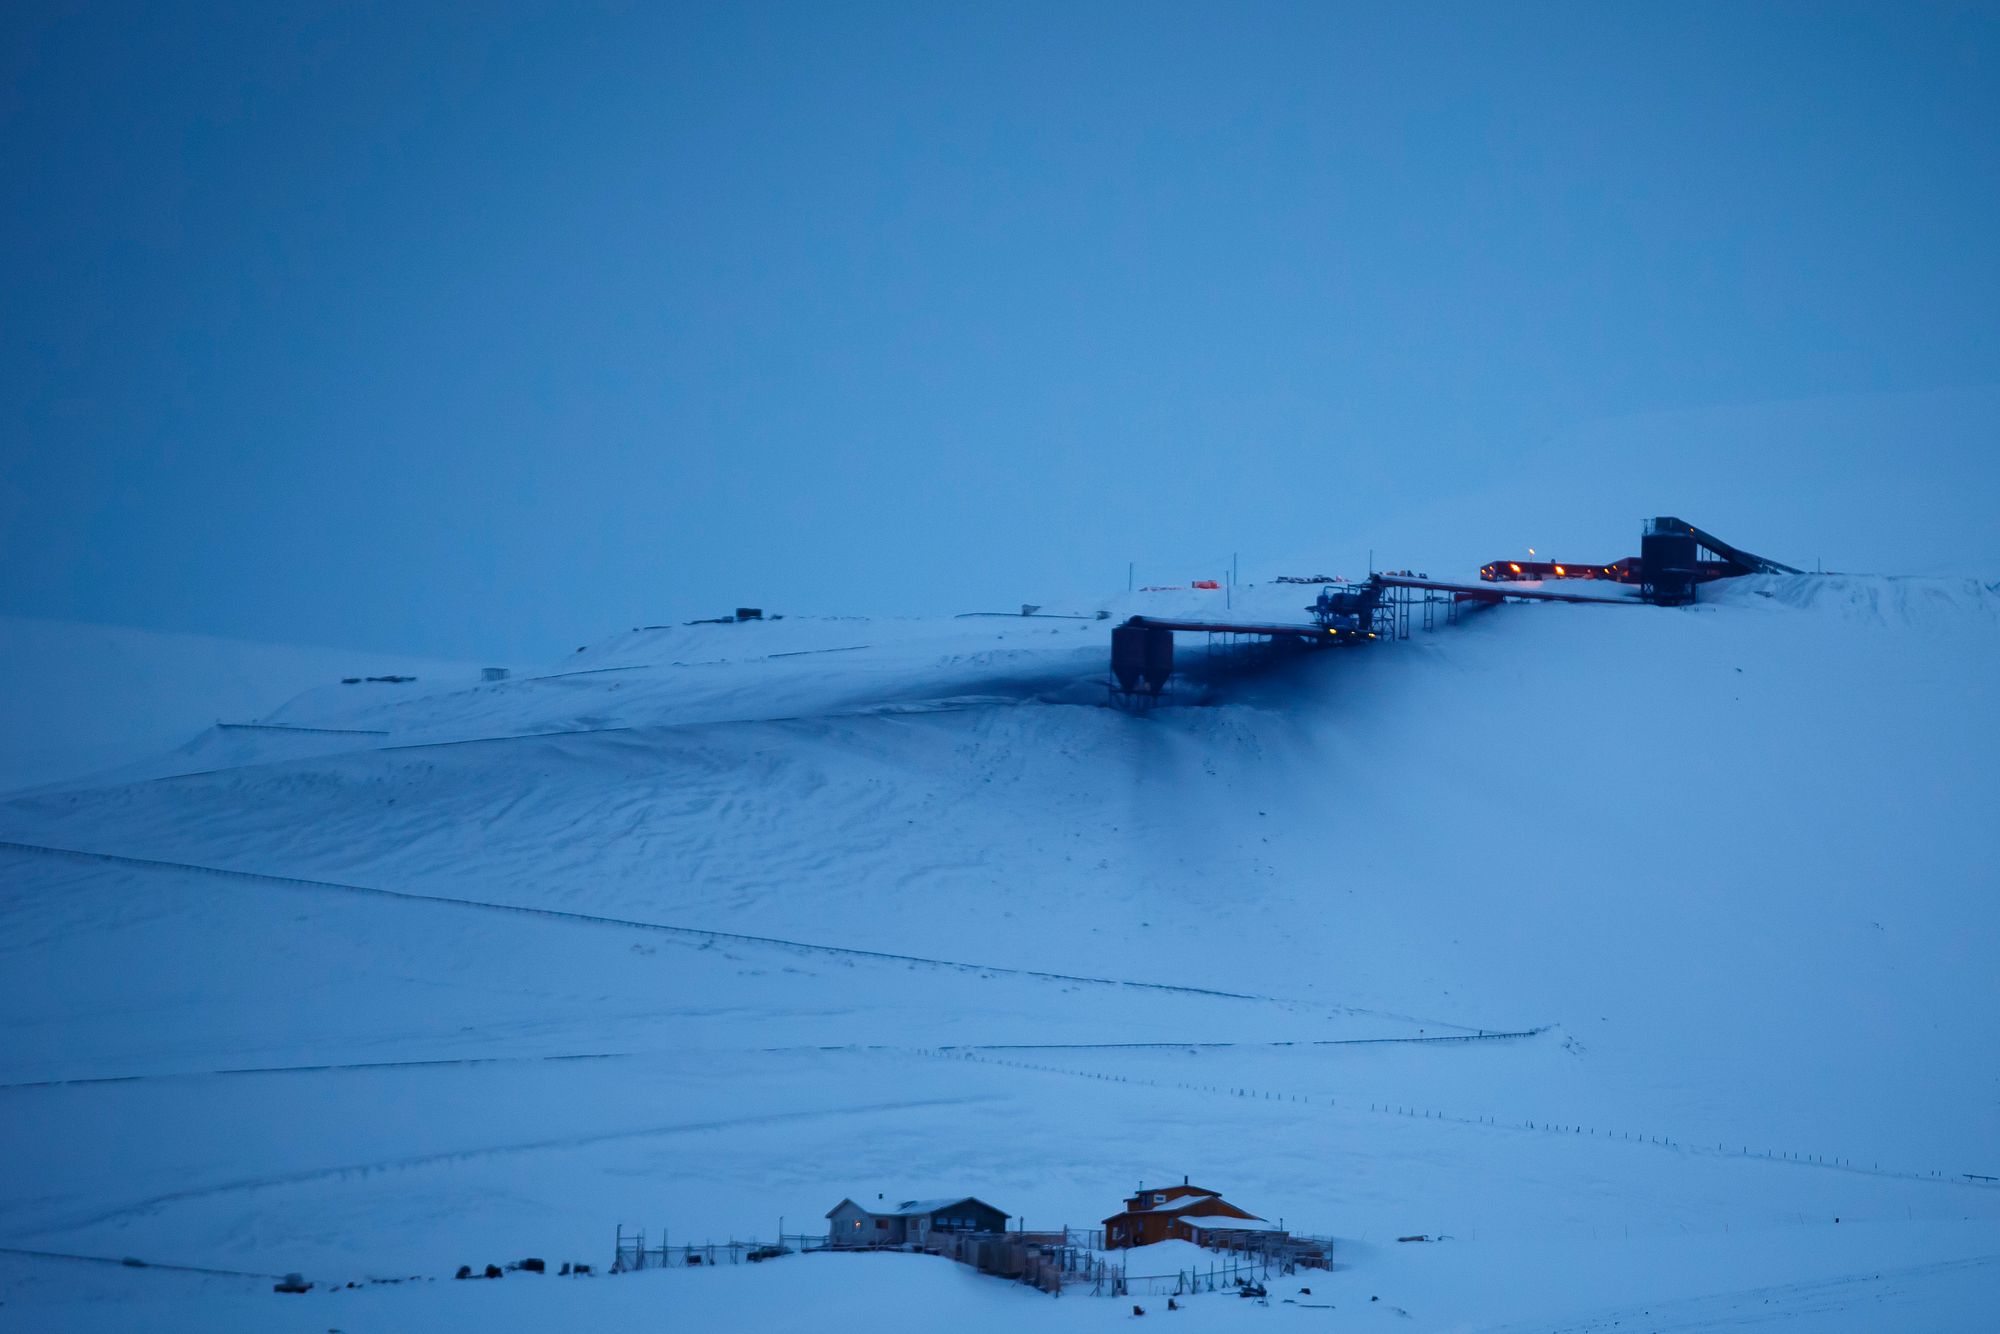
(1225,1223)
(916,1208)
(1177,1197)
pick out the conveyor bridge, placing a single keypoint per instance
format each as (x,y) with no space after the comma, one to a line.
(1669,565)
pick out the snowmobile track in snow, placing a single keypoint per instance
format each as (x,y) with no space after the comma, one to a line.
(450,1062)
(124,1262)
(699,933)
(290,727)
(1481,1035)
(415,1063)
(422,1160)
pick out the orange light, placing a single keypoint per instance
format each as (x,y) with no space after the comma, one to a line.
(1512,566)
(1559,571)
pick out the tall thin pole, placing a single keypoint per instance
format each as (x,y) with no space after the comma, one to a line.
(1128,575)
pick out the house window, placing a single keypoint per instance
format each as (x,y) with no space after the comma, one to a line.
(881,1225)
(1159,1199)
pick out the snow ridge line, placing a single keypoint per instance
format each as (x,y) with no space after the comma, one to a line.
(944,705)
(594,919)
(93,785)
(950,703)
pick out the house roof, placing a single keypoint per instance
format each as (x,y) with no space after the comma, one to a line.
(1224,1223)
(1177,1197)
(918,1208)
(1213,1204)
(1182,1202)
(1148,1213)
(1184,1188)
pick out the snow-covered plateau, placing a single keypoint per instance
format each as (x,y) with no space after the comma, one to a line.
(705,928)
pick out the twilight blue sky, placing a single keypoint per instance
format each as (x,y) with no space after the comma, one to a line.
(485,329)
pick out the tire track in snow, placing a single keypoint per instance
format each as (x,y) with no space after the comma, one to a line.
(1481,1035)
(414,1063)
(124,1262)
(1563,1131)
(422,1160)
(446,1062)
(700,933)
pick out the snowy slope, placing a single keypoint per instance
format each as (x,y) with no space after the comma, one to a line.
(709,925)
(80,699)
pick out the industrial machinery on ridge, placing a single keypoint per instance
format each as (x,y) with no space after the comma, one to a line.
(1674,557)
(1669,564)
(1351,610)
(1142,649)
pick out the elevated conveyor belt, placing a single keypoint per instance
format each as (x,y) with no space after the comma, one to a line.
(1272,629)
(1487,592)
(1142,648)
(1736,556)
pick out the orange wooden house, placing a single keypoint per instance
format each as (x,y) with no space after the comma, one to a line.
(1180,1213)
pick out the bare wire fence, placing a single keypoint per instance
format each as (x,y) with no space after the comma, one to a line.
(1073,1259)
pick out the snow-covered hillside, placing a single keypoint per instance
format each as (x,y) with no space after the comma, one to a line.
(81,699)
(833,905)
